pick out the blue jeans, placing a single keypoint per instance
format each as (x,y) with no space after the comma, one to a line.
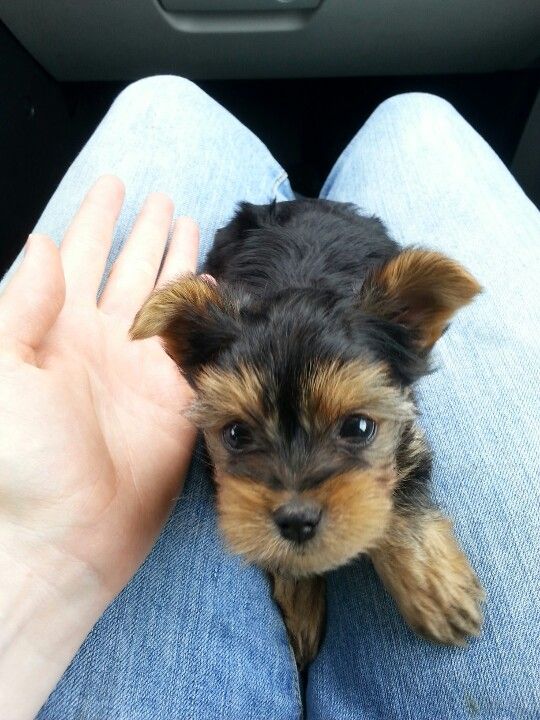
(195,635)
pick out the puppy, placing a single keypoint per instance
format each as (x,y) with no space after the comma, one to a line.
(302,355)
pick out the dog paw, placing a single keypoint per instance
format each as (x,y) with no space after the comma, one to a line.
(444,604)
(433,583)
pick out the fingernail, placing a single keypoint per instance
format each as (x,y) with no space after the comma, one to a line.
(26,244)
(209,279)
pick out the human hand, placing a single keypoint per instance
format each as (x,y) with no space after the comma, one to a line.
(93,443)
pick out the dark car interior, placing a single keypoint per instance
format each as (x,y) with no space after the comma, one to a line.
(302,74)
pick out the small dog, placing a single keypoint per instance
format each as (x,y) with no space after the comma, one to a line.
(302,354)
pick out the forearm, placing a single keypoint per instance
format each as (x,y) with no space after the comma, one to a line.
(48,605)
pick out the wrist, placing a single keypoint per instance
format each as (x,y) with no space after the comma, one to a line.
(48,605)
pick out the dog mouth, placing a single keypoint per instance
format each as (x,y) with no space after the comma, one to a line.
(294,559)
(302,534)
(275,553)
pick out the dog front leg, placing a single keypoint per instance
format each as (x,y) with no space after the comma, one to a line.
(428,575)
(302,603)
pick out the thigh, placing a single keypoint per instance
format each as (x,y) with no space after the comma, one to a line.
(187,638)
(434,182)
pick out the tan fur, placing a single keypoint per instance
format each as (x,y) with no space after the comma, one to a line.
(421,289)
(334,390)
(224,396)
(175,311)
(357,507)
(168,303)
(302,604)
(415,451)
(429,577)
(331,391)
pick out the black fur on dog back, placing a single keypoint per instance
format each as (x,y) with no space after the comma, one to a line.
(297,244)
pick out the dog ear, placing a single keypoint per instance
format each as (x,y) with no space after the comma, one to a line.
(193,317)
(421,290)
(248,218)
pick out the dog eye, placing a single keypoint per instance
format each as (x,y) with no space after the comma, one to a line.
(236,436)
(358,429)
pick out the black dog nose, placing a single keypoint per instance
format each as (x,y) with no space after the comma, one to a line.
(297,521)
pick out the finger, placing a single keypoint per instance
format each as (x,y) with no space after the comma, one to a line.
(183,251)
(134,273)
(88,239)
(34,296)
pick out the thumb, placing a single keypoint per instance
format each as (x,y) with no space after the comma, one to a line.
(34,296)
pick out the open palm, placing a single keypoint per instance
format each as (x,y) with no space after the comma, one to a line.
(93,442)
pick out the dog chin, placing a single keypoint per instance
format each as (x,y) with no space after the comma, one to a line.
(288,558)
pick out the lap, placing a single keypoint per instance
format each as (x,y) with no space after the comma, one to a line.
(434,182)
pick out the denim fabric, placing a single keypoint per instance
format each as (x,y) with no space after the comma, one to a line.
(195,634)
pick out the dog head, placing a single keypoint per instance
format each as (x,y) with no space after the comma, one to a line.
(303,397)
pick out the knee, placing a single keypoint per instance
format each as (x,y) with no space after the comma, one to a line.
(159,86)
(414,125)
(169,95)
(419,118)
(417,104)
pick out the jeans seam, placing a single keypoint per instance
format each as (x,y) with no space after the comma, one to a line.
(277,182)
(298,691)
